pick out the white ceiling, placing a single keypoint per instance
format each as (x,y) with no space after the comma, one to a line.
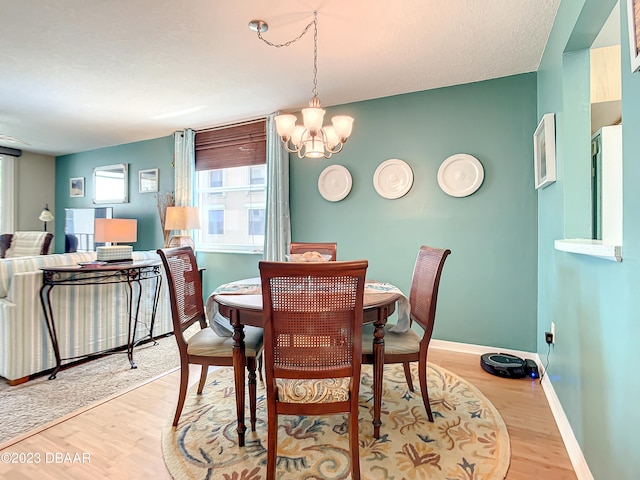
(82,74)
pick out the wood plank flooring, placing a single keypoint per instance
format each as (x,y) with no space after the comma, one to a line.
(122,435)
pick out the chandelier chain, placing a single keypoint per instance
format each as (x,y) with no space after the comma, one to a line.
(286,44)
(314,22)
(314,90)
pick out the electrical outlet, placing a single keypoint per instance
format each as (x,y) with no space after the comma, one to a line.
(553,332)
(548,337)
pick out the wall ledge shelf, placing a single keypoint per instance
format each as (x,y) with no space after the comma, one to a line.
(594,248)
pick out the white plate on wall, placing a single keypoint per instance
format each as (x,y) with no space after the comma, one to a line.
(460,175)
(393,178)
(334,183)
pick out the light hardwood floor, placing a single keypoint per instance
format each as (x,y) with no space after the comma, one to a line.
(122,435)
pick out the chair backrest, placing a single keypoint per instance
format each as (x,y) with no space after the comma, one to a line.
(185,290)
(312,319)
(326,248)
(424,287)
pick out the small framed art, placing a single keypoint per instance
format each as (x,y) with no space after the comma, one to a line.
(76,187)
(148,180)
(544,151)
(633,14)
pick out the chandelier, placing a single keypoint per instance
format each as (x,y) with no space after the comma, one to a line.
(311,139)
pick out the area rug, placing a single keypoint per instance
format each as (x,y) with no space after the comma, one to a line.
(467,441)
(40,401)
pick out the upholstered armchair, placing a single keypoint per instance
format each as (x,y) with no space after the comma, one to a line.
(24,244)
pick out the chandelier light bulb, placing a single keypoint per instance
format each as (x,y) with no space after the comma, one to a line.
(343,124)
(331,138)
(312,118)
(285,124)
(296,136)
(314,147)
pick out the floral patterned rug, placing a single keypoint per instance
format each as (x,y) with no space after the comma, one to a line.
(467,441)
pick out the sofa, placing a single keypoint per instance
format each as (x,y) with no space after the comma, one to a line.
(88,318)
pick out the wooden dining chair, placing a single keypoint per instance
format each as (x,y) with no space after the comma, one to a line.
(204,347)
(409,346)
(313,344)
(326,248)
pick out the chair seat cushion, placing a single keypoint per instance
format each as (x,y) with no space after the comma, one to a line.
(394,343)
(208,343)
(321,390)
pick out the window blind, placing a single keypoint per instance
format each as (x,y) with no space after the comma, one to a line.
(231,146)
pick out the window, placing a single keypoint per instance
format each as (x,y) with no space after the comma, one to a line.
(258,175)
(256,221)
(231,187)
(216,178)
(216,222)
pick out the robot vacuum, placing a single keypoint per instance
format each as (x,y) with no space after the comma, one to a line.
(508,366)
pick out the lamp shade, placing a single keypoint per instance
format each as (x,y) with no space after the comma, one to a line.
(116,230)
(46,215)
(181,218)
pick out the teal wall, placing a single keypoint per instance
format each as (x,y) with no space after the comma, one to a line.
(488,289)
(593,302)
(157,153)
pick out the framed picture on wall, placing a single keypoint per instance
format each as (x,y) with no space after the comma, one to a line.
(633,14)
(76,187)
(544,151)
(148,180)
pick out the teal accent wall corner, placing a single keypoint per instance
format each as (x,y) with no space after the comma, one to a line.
(593,302)
(156,153)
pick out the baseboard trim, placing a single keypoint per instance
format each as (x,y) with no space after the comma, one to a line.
(576,456)
(574,451)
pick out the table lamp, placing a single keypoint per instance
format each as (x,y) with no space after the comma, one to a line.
(114,230)
(181,218)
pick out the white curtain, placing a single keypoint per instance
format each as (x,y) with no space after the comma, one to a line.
(278,222)
(185,167)
(7,194)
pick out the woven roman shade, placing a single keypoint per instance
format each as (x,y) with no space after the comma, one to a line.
(232,146)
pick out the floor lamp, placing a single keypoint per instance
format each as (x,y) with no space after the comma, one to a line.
(46,216)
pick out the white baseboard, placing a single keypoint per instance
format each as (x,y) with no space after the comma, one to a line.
(566,432)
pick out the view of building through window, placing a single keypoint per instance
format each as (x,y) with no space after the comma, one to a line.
(231,202)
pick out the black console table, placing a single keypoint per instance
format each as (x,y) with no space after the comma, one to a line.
(93,274)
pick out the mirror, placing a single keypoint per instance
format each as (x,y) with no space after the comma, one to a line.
(110,184)
(79,227)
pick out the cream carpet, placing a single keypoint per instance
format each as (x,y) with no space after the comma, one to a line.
(40,401)
(467,441)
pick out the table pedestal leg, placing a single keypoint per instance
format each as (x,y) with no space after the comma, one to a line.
(378,369)
(239,364)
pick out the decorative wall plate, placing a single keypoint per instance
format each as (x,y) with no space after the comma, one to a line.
(334,183)
(393,178)
(460,175)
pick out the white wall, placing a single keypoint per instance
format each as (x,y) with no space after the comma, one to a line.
(36,186)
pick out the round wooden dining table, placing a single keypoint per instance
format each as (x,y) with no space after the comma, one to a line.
(246,309)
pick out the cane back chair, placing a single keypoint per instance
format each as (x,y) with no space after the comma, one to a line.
(327,248)
(409,346)
(204,347)
(313,344)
